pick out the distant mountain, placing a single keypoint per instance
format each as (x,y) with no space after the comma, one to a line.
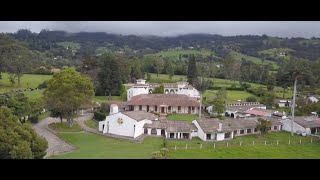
(90,42)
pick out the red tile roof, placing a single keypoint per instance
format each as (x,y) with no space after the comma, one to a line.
(164,99)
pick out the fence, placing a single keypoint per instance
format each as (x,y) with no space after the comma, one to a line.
(227,144)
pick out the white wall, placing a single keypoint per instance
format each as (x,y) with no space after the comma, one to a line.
(139,127)
(134,91)
(220,136)
(201,134)
(287,126)
(194,134)
(124,129)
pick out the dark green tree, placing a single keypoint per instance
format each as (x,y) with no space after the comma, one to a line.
(263,125)
(109,75)
(201,84)
(192,69)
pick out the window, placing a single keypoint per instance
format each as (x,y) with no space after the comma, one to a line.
(140,107)
(179,108)
(192,108)
(171,135)
(255,130)
(242,131)
(208,136)
(155,108)
(248,131)
(169,108)
(227,135)
(275,128)
(235,132)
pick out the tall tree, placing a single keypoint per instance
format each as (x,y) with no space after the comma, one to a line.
(19,141)
(201,84)
(169,68)
(67,91)
(263,125)
(16,59)
(109,75)
(158,65)
(192,69)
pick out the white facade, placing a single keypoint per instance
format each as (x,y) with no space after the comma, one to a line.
(313,99)
(220,136)
(166,110)
(180,88)
(296,127)
(201,134)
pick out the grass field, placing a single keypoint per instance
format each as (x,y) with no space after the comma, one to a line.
(256,60)
(73,45)
(232,96)
(92,124)
(101,99)
(175,53)
(94,146)
(27,80)
(65,128)
(182,117)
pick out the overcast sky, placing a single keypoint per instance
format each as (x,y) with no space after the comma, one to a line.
(305,29)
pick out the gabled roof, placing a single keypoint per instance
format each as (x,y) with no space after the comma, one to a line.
(140,115)
(171,126)
(307,122)
(164,99)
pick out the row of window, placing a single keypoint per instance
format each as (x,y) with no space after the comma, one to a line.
(169,108)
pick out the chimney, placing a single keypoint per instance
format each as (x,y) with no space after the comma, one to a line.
(113,109)
(220,126)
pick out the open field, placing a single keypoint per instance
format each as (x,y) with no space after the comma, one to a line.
(27,80)
(175,53)
(256,60)
(232,96)
(73,45)
(35,94)
(182,117)
(93,146)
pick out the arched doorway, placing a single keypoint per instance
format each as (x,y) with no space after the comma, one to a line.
(166,91)
(163,132)
(145,131)
(153,131)
(102,127)
(232,115)
(171,91)
(150,91)
(226,114)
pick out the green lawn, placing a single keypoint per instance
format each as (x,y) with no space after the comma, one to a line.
(105,98)
(27,80)
(256,60)
(182,117)
(232,96)
(92,124)
(93,146)
(64,127)
(35,94)
(73,45)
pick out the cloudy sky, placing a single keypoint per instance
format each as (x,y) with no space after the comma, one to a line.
(171,28)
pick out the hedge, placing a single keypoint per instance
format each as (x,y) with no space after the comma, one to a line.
(100,116)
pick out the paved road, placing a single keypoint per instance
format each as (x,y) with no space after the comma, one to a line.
(56,145)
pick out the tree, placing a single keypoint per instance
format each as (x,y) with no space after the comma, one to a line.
(169,68)
(219,106)
(123,93)
(192,69)
(16,59)
(263,125)
(251,99)
(221,94)
(19,141)
(66,92)
(109,75)
(268,99)
(201,84)
(159,90)
(158,64)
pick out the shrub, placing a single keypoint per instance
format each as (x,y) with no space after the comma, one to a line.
(43,85)
(251,99)
(100,116)
(245,86)
(34,119)
(105,108)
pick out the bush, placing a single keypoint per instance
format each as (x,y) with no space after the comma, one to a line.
(245,86)
(43,85)
(34,119)
(251,99)
(105,108)
(100,116)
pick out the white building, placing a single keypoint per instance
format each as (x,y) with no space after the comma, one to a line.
(216,130)
(164,104)
(313,99)
(284,102)
(308,125)
(141,87)
(135,123)
(246,109)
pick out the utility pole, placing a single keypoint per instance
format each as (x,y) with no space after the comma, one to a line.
(294,102)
